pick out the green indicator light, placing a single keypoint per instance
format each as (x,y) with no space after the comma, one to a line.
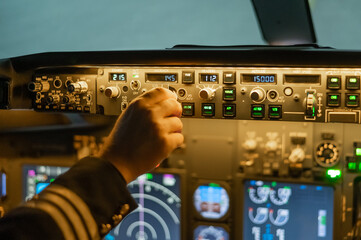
(334,97)
(255,109)
(214,185)
(149,176)
(333,173)
(208,112)
(257,114)
(207,107)
(228,108)
(275,109)
(274,114)
(358,151)
(274,184)
(229,91)
(266,186)
(52,180)
(352,97)
(135,76)
(286,187)
(359,167)
(323,220)
(187,107)
(352,165)
(334,80)
(353,80)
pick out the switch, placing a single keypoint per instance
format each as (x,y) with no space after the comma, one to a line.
(310,105)
(333,99)
(229,78)
(208,109)
(352,82)
(274,112)
(352,100)
(229,110)
(229,94)
(257,111)
(188,77)
(188,109)
(333,82)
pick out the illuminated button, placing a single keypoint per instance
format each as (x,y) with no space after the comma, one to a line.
(229,94)
(63,108)
(208,109)
(70,108)
(334,82)
(79,108)
(288,91)
(229,78)
(257,111)
(188,77)
(188,109)
(352,83)
(86,109)
(333,173)
(333,99)
(352,100)
(39,107)
(274,112)
(229,110)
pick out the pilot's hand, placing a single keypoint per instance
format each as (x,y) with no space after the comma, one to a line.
(145,134)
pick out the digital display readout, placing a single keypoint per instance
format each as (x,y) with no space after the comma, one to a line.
(160,77)
(259,78)
(303,79)
(122,77)
(208,78)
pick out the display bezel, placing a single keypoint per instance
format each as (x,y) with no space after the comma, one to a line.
(162,74)
(240,207)
(244,76)
(208,74)
(117,81)
(224,185)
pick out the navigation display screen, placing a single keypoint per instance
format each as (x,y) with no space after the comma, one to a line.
(38,177)
(158,214)
(276,210)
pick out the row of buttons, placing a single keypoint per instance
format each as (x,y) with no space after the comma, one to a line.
(63,108)
(229,110)
(351,100)
(352,82)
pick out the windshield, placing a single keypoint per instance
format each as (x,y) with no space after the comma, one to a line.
(28,27)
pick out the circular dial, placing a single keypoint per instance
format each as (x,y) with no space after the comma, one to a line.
(211,201)
(327,154)
(203,232)
(207,94)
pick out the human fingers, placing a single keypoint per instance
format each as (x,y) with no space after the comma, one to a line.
(172,125)
(174,140)
(169,107)
(157,95)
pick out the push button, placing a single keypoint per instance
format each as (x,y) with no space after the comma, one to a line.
(229,110)
(352,100)
(334,82)
(274,112)
(229,94)
(188,77)
(333,99)
(188,109)
(352,83)
(257,111)
(208,109)
(229,78)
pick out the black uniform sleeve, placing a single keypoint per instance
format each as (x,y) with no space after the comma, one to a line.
(84,203)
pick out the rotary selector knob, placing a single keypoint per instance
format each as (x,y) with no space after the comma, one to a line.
(327,154)
(53,99)
(39,87)
(250,145)
(112,92)
(257,94)
(271,146)
(297,155)
(78,87)
(207,94)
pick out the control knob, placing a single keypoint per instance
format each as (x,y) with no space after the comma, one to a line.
(207,93)
(39,87)
(297,155)
(78,87)
(112,92)
(257,94)
(250,145)
(271,146)
(53,99)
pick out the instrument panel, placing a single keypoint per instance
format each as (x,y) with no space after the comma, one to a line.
(272,146)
